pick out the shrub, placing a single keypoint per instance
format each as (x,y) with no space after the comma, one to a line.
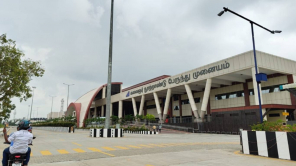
(56,124)
(129,118)
(135,128)
(114,119)
(139,117)
(150,118)
(273,126)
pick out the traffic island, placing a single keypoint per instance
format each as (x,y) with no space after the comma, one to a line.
(106,133)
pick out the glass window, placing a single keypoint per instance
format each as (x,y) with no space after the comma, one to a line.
(186,101)
(229,95)
(197,100)
(151,106)
(274,115)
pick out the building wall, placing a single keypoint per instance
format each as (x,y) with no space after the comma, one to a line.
(231,121)
(274,98)
(275,63)
(186,108)
(154,110)
(236,63)
(225,103)
(274,119)
(280,97)
(175,112)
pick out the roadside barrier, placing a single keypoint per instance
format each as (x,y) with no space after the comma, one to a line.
(106,133)
(141,132)
(270,144)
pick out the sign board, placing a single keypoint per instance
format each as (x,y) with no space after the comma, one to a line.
(285,113)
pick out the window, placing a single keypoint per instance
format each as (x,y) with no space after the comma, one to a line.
(251,92)
(150,106)
(186,101)
(268,89)
(229,95)
(197,100)
(274,115)
(176,108)
(176,97)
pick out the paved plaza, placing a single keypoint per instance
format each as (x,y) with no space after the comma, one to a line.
(186,149)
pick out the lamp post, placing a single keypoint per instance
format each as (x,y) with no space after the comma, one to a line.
(32,102)
(51,106)
(68,92)
(28,112)
(108,102)
(258,80)
(37,112)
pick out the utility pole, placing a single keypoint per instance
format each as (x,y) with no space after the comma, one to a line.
(108,103)
(37,112)
(32,102)
(68,92)
(28,112)
(51,106)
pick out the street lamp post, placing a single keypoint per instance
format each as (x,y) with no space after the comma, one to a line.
(108,102)
(37,112)
(51,106)
(68,92)
(32,102)
(28,112)
(254,50)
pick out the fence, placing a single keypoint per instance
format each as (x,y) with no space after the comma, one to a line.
(181,120)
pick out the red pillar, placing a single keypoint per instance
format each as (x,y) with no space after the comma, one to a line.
(246,92)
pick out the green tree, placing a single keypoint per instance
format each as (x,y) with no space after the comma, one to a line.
(129,118)
(139,117)
(150,118)
(114,119)
(15,74)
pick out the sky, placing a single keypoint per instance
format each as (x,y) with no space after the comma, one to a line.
(151,38)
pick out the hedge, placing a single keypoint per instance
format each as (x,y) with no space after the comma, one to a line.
(273,126)
(57,124)
(135,128)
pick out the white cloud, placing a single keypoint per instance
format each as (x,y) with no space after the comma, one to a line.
(38,54)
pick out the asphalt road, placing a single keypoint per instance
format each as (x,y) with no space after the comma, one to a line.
(78,149)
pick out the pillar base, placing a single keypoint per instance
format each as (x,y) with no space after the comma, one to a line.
(197,120)
(164,117)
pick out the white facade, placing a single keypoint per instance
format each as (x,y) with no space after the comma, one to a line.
(203,85)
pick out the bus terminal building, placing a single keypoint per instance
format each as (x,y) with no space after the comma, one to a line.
(218,97)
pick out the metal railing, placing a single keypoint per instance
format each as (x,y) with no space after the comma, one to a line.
(181,120)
